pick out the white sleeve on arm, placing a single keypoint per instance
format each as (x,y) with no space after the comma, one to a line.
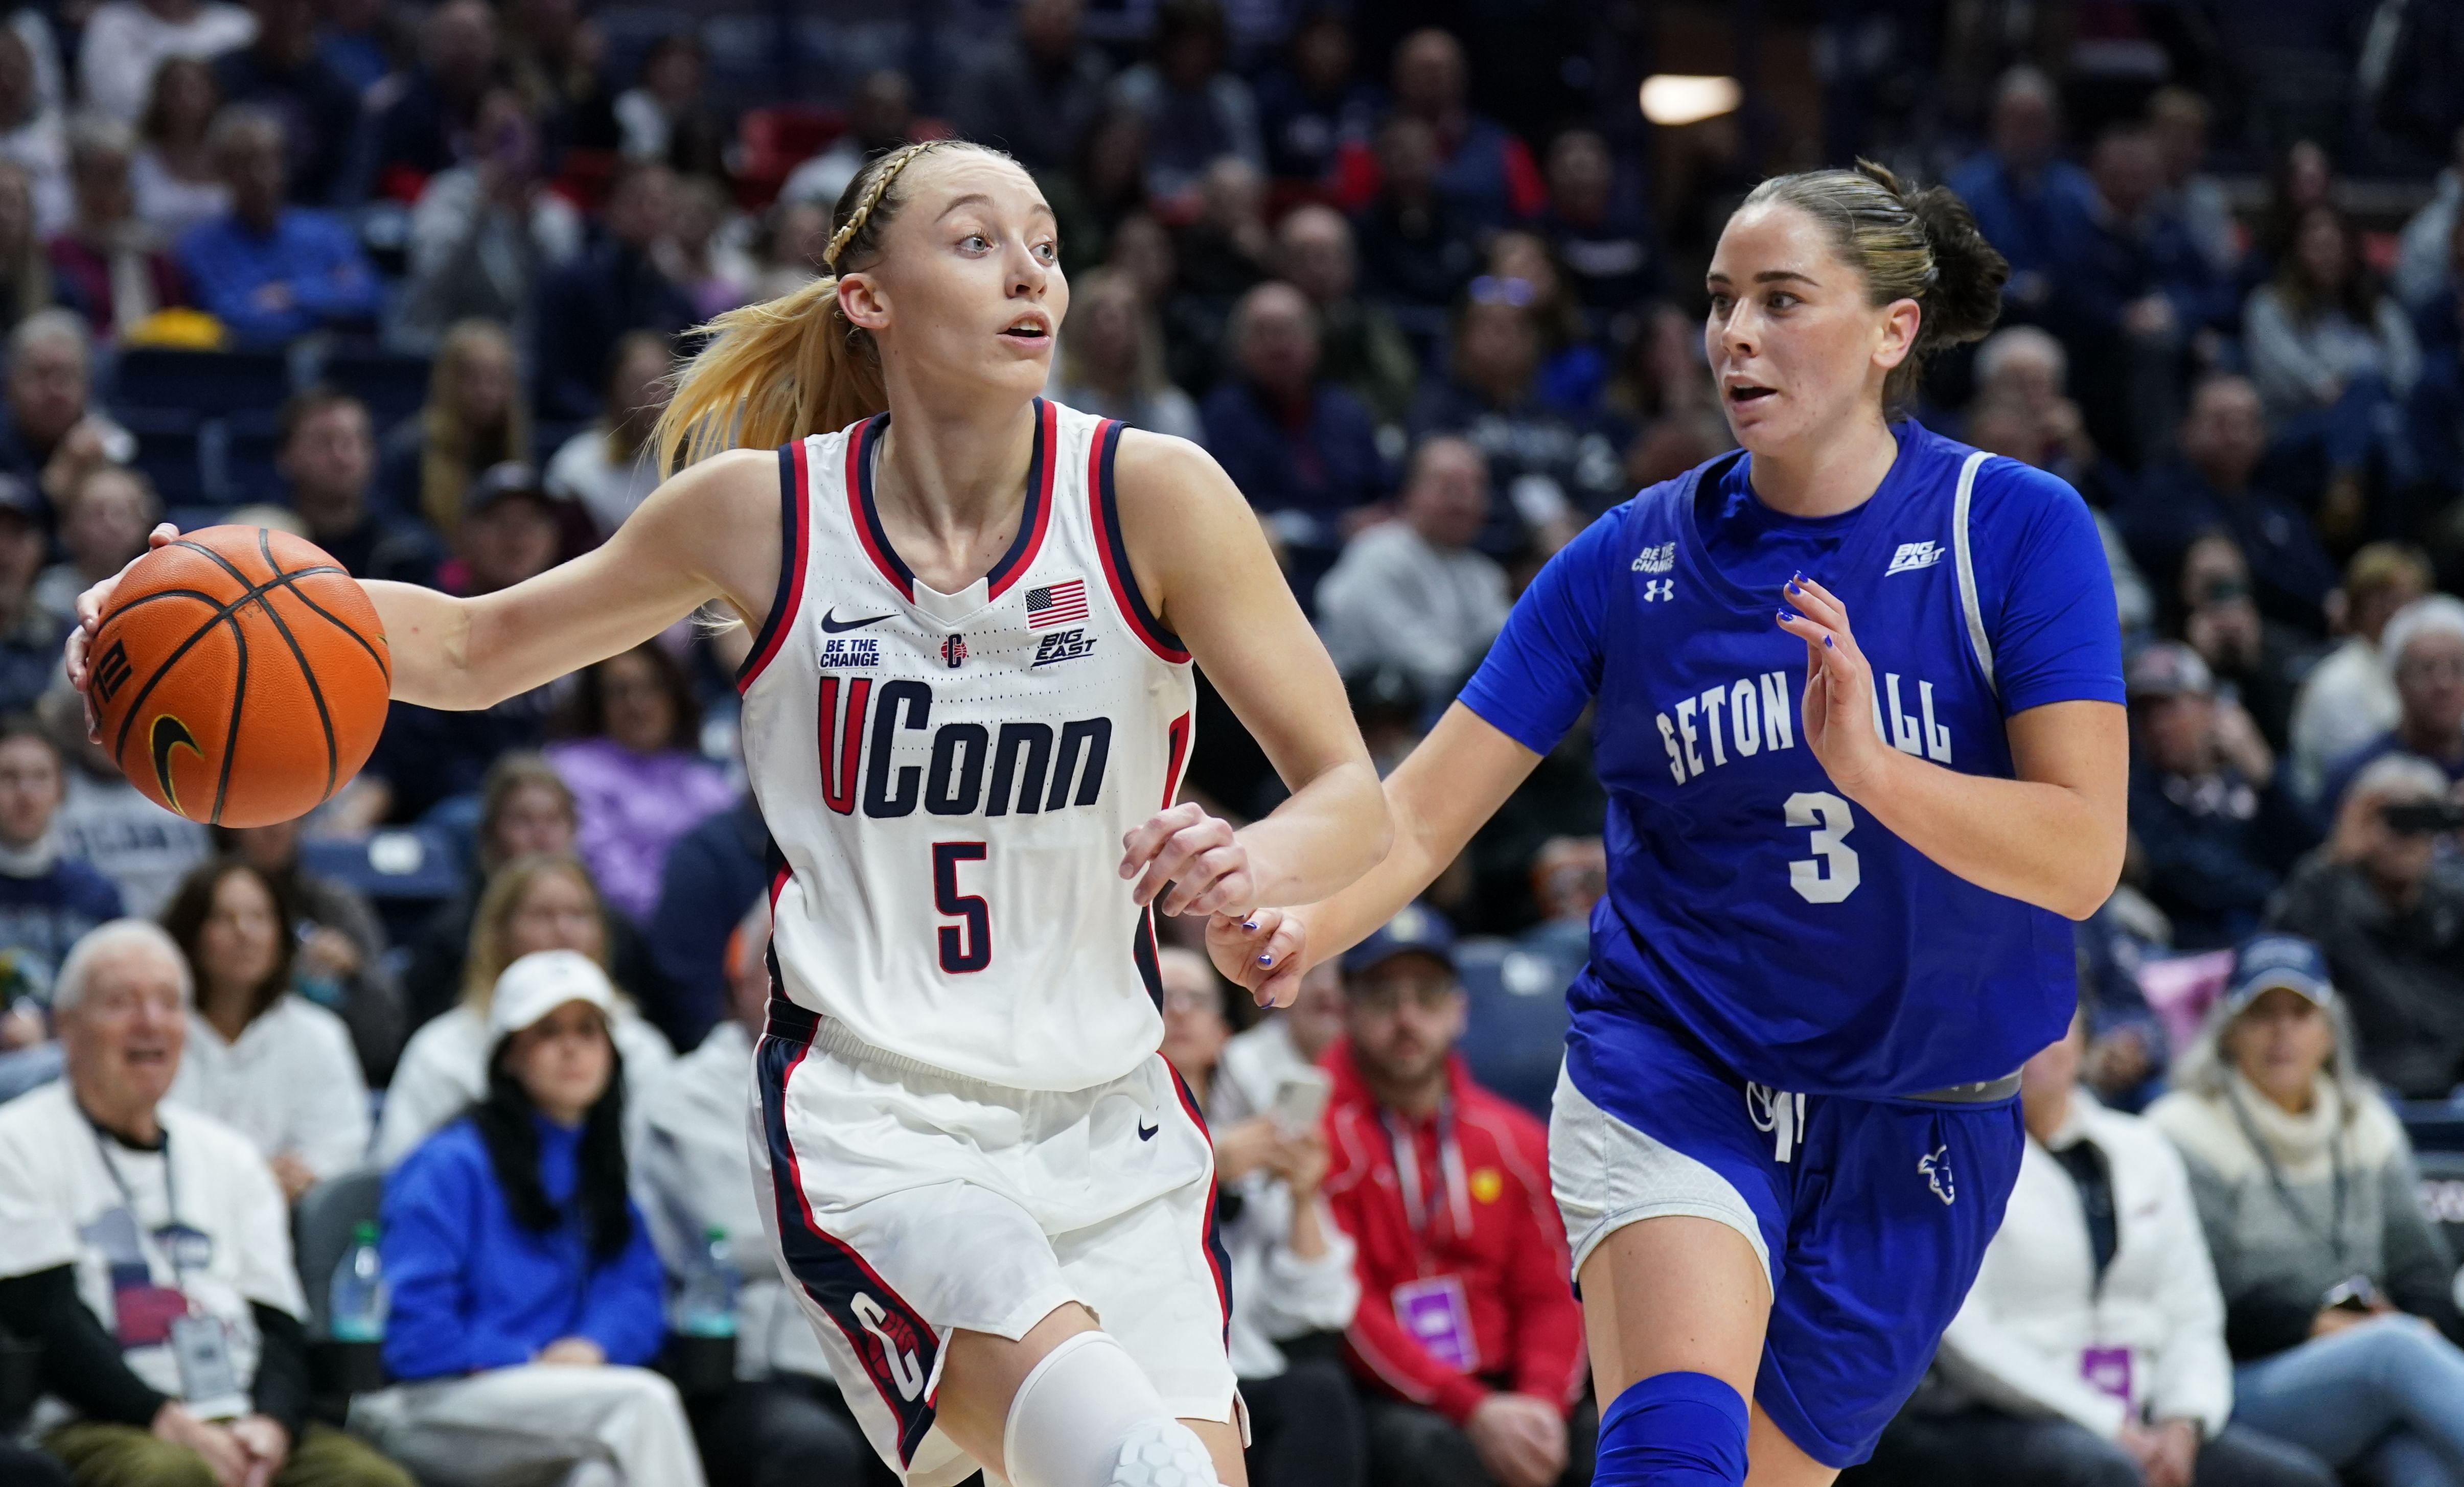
(422,1098)
(332,1121)
(2008,1371)
(2193,1373)
(34,1215)
(1308,1295)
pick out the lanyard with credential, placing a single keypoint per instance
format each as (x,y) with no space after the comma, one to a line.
(2335,1236)
(170,1199)
(1407,1172)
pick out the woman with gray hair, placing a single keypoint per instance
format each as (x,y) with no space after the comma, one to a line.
(2337,1288)
(2424,648)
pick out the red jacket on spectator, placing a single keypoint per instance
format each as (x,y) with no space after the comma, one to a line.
(1491,1244)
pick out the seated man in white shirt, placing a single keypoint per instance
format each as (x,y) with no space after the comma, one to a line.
(2091,1351)
(783,1424)
(148,1252)
(1414,592)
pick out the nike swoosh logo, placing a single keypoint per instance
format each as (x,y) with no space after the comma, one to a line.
(168,733)
(832,626)
(1146,1132)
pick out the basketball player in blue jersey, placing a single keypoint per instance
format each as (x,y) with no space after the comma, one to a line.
(967,707)
(1860,718)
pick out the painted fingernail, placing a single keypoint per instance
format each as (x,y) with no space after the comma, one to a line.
(1826,643)
(1793,588)
(1265,960)
(1249,924)
(1786,615)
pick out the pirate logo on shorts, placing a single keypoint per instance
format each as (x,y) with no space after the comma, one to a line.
(1934,1167)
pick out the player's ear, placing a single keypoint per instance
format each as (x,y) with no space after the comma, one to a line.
(861,301)
(1901,319)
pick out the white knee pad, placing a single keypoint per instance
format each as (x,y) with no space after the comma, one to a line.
(1088,1416)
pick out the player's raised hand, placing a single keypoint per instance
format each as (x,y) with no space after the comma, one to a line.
(1260,952)
(1195,855)
(1839,706)
(90,606)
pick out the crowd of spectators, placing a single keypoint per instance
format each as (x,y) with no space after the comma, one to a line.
(1432,324)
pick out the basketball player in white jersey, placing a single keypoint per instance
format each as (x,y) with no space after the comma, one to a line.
(966,712)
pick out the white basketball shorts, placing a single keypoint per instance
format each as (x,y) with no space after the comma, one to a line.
(903,1202)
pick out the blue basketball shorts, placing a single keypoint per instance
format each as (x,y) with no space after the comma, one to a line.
(1870,1216)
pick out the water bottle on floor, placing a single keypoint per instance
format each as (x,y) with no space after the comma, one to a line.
(705,1306)
(356,1304)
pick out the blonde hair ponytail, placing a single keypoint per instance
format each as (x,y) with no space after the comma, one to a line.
(791,366)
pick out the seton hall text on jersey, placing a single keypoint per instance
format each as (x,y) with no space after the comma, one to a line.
(1741,719)
(1028,766)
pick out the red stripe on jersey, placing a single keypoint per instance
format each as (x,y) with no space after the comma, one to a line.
(840,764)
(1211,1238)
(1178,736)
(1114,550)
(859,476)
(1039,516)
(795,526)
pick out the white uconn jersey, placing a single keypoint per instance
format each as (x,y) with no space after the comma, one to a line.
(947,778)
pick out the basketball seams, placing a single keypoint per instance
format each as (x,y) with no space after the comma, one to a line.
(222,612)
(315,692)
(384,664)
(238,713)
(255,592)
(170,677)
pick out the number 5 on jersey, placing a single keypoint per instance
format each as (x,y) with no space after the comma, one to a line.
(1831,874)
(967,944)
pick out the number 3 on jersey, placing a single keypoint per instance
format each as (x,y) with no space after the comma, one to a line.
(1831,874)
(968,945)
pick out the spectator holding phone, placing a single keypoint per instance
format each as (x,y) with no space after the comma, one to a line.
(2392,930)
(2336,1287)
(1293,1291)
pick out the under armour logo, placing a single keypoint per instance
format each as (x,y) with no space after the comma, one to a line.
(1655,590)
(1934,1167)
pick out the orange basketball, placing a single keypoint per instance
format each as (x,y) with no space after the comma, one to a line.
(240,676)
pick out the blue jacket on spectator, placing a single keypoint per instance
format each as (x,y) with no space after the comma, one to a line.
(583,308)
(2174,505)
(713,875)
(2215,851)
(1321,459)
(310,254)
(42,913)
(473,1290)
(2434,417)
(2042,226)
(2120,263)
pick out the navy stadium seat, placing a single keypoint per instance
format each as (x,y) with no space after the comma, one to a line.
(1516,1034)
(202,384)
(393,386)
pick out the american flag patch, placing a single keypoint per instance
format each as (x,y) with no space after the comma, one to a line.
(1056,603)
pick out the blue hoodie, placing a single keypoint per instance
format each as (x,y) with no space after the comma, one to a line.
(472,1289)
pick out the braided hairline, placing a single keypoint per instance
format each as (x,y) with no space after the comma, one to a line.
(872,195)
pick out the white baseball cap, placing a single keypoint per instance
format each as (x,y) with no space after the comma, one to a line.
(542,981)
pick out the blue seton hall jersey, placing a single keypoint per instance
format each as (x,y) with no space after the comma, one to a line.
(1798,941)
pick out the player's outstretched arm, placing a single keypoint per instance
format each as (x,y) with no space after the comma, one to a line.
(712,532)
(1196,548)
(2054,837)
(1442,792)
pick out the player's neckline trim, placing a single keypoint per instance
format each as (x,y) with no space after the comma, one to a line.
(1034,520)
(1888,497)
